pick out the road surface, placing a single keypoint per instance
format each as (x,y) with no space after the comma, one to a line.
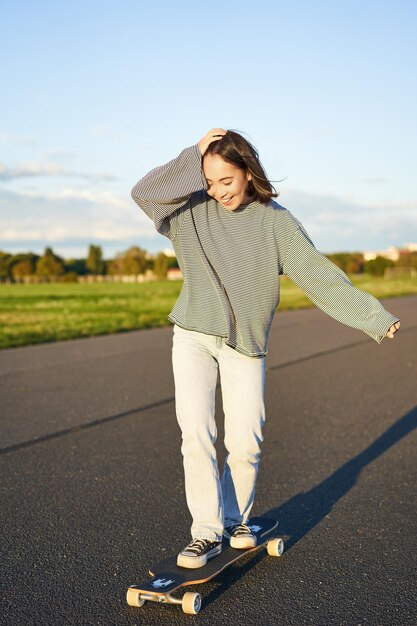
(92,483)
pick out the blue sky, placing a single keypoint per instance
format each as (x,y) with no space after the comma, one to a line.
(95,94)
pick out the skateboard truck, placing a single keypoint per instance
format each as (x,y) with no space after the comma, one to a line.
(190,602)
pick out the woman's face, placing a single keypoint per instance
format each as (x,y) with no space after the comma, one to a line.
(227,183)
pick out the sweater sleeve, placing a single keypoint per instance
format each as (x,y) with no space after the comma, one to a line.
(168,188)
(330,289)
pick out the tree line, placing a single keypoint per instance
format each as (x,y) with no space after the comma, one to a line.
(50,267)
(355,263)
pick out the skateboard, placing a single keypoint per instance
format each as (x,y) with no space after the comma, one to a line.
(167,577)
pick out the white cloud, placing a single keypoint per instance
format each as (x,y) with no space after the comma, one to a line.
(36,169)
(13,138)
(336,223)
(93,197)
(59,155)
(70,214)
(71,217)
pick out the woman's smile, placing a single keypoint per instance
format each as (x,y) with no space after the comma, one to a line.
(221,174)
(227,201)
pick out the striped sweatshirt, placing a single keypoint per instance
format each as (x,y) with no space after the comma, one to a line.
(231,260)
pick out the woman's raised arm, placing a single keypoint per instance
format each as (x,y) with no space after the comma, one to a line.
(167,188)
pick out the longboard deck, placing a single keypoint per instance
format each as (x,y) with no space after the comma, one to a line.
(167,576)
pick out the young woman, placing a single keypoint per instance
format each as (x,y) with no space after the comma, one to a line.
(232,241)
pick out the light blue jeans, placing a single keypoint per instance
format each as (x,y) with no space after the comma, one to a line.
(197,359)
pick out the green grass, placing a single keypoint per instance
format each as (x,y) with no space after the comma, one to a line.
(51,312)
(31,314)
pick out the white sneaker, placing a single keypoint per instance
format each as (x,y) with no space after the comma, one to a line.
(198,552)
(240,536)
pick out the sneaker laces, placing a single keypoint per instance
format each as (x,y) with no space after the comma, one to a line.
(241,529)
(197,545)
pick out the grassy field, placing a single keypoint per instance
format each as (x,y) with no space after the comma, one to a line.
(31,314)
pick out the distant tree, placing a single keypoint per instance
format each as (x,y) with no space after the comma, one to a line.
(349,262)
(355,263)
(338,258)
(77,266)
(407,259)
(115,266)
(5,269)
(50,265)
(377,266)
(172,261)
(161,265)
(95,260)
(133,261)
(22,268)
(69,277)
(24,263)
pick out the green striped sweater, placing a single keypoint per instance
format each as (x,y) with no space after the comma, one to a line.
(231,260)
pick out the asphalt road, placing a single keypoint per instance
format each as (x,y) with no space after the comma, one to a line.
(92,485)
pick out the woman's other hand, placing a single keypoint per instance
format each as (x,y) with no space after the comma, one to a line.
(213,135)
(393,330)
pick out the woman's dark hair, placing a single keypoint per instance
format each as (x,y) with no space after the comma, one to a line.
(235,149)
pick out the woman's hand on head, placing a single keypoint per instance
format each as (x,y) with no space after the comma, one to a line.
(393,330)
(213,135)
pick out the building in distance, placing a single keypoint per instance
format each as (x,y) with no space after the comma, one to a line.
(393,253)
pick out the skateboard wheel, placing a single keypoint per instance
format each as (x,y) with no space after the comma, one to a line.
(133,598)
(275,547)
(191,603)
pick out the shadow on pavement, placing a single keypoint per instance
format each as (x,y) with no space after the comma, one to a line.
(299,515)
(305,510)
